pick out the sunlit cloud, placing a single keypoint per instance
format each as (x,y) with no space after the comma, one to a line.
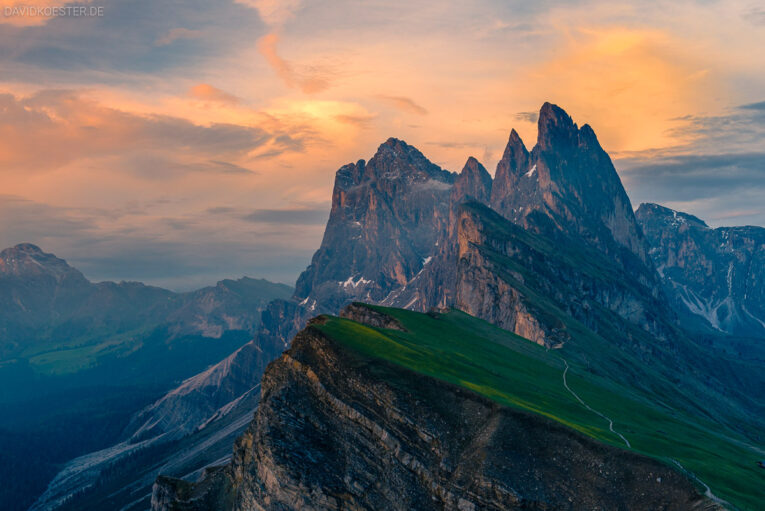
(72,127)
(404,104)
(632,84)
(310,80)
(206,92)
(274,12)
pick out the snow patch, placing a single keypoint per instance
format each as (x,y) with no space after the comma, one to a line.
(354,284)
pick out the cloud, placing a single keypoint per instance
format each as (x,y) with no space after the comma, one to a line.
(274,12)
(710,186)
(527,116)
(289,216)
(362,121)
(180,252)
(760,105)
(207,92)
(631,84)
(176,34)
(73,127)
(25,220)
(404,104)
(754,16)
(310,80)
(143,36)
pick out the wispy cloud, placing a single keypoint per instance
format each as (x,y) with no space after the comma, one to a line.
(309,80)
(274,12)
(404,104)
(177,34)
(527,116)
(207,92)
(760,105)
(289,216)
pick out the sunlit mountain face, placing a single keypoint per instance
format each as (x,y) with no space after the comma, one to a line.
(280,254)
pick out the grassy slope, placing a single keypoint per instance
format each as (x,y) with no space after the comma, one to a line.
(469,352)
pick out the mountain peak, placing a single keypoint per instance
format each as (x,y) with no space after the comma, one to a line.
(397,146)
(472,166)
(27,259)
(396,160)
(514,161)
(568,177)
(555,128)
(648,211)
(474,182)
(515,150)
(25,248)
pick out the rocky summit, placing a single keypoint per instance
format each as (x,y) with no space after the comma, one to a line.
(568,178)
(386,218)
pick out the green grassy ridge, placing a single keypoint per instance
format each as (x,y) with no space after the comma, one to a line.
(465,351)
(621,350)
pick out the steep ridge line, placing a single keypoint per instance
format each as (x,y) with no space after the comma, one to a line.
(610,422)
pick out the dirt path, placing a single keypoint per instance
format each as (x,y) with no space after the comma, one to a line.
(610,422)
(707,491)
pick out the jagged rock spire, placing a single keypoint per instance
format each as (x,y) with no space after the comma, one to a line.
(474,182)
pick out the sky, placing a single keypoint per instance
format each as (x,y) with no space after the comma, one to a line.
(178,142)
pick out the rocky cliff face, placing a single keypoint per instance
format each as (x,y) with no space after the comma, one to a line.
(386,218)
(336,430)
(570,178)
(434,285)
(714,274)
(526,283)
(564,189)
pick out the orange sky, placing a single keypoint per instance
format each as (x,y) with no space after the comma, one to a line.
(134,126)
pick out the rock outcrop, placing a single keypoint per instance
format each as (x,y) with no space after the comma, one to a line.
(569,178)
(386,218)
(714,274)
(336,430)
(526,282)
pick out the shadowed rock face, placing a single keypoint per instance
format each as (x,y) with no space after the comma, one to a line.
(386,217)
(570,178)
(335,430)
(714,274)
(566,192)
(516,279)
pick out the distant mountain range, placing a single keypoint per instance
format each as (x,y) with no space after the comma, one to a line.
(716,275)
(549,250)
(80,356)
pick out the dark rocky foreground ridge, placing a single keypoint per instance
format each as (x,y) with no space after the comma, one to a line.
(337,430)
